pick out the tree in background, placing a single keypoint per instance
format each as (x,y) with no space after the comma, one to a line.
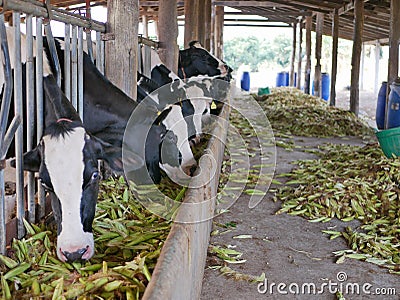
(255,52)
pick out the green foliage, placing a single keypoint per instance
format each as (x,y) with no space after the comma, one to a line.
(255,52)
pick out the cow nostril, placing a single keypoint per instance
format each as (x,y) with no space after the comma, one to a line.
(74,256)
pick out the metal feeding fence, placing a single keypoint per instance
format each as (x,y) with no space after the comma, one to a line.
(75,26)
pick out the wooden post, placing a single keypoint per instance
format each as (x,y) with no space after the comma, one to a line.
(377,57)
(300,53)
(362,66)
(394,37)
(121,48)
(207,24)
(318,48)
(168,34)
(307,71)
(212,30)
(191,21)
(294,42)
(335,41)
(356,55)
(219,31)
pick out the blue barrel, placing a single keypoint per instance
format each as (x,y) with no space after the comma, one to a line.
(325,86)
(394,106)
(380,106)
(245,81)
(282,79)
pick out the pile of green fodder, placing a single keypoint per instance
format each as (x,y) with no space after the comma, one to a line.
(350,183)
(290,111)
(128,241)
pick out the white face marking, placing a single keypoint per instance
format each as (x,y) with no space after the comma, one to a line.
(176,123)
(199,107)
(64,161)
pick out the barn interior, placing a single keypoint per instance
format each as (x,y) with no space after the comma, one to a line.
(267,249)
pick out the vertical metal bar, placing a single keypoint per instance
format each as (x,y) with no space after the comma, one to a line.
(98,50)
(5,107)
(147,61)
(19,136)
(30,113)
(74,68)
(102,63)
(80,72)
(89,44)
(39,104)
(67,61)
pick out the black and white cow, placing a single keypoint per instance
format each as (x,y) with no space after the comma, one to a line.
(194,94)
(106,113)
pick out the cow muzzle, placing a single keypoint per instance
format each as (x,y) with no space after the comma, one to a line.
(190,168)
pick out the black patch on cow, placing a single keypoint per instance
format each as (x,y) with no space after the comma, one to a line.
(160,74)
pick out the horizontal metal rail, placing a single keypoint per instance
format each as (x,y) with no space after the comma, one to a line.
(38,9)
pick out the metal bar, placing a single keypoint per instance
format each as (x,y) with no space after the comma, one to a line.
(89,44)
(74,68)
(53,51)
(67,61)
(80,72)
(30,113)
(12,128)
(38,9)
(102,64)
(98,50)
(5,107)
(39,105)
(147,61)
(19,136)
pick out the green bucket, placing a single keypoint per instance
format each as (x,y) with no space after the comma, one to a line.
(389,139)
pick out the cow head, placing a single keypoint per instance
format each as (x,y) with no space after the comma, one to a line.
(66,159)
(198,61)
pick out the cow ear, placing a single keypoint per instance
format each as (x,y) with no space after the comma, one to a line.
(31,160)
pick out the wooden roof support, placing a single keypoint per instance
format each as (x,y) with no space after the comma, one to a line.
(318,48)
(394,38)
(121,51)
(291,79)
(219,32)
(307,71)
(335,41)
(168,34)
(207,24)
(356,55)
(300,55)
(191,21)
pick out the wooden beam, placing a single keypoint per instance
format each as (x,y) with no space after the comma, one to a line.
(307,71)
(121,53)
(394,37)
(300,55)
(219,32)
(318,48)
(191,21)
(157,3)
(356,55)
(294,43)
(377,57)
(168,34)
(335,42)
(207,24)
(249,3)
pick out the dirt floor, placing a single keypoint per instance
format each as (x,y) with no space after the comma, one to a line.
(292,252)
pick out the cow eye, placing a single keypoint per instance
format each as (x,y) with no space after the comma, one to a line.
(95,175)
